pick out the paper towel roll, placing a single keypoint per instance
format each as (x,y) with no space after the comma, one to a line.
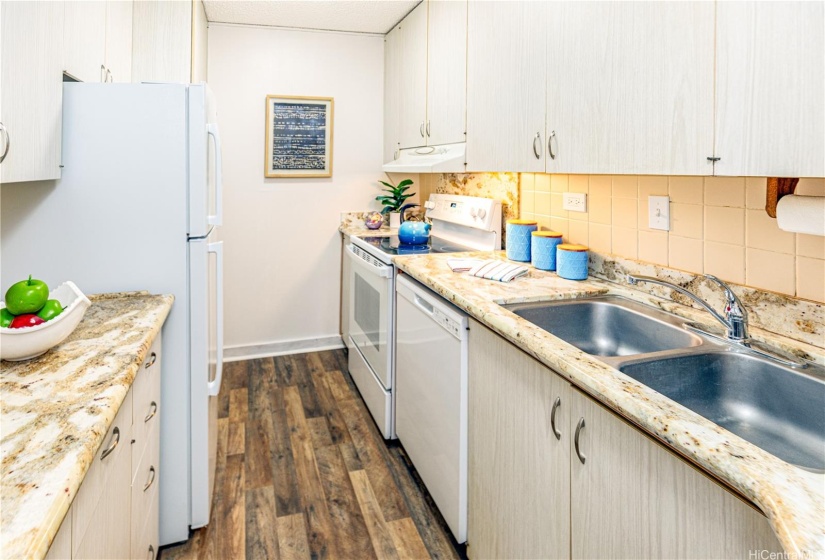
(801,214)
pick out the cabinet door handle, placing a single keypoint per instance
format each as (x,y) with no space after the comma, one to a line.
(109,77)
(151,480)
(151,362)
(421,129)
(102,73)
(550,144)
(153,411)
(112,445)
(6,141)
(579,428)
(151,552)
(428,129)
(537,145)
(556,405)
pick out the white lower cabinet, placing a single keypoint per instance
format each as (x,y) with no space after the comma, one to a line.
(115,512)
(532,496)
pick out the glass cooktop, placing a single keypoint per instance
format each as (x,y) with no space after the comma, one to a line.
(393,246)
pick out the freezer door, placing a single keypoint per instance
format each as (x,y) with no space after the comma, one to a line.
(205,162)
(206,320)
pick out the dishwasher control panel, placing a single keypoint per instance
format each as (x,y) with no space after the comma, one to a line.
(451,325)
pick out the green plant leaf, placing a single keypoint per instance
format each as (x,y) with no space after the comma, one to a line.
(404,183)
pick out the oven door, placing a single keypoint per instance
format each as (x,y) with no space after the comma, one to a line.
(372,294)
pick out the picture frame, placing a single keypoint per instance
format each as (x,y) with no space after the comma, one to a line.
(298,136)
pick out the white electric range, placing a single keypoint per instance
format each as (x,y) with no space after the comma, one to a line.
(459,223)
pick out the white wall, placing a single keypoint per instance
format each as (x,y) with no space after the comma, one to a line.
(282,246)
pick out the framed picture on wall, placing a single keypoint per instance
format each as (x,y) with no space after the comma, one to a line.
(298,139)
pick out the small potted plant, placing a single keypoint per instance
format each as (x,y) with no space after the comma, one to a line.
(394,201)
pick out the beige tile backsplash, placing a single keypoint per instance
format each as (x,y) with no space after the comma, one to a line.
(718,226)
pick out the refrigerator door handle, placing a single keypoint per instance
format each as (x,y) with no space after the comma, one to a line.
(217,219)
(214,386)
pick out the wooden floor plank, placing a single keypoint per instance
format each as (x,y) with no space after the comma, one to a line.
(337,427)
(257,460)
(287,494)
(261,382)
(407,541)
(238,404)
(292,537)
(234,375)
(351,535)
(261,535)
(328,360)
(338,386)
(319,530)
(236,441)
(380,537)
(350,455)
(303,377)
(232,541)
(373,454)
(285,374)
(319,432)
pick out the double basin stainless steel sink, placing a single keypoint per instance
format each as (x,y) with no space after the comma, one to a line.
(777,408)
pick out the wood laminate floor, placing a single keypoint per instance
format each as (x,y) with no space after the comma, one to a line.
(304,473)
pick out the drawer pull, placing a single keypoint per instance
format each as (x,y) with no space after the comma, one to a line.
(152,358)
(112,445)
(151,552)
(154,407)
(151,479)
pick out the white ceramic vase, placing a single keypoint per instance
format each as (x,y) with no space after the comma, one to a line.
(395,220)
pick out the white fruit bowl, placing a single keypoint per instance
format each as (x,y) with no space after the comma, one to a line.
(29,342)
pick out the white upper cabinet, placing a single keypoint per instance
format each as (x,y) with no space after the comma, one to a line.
(392,92)
(98,39)
(413,78)
(770,78)
(31,73)
(84,32)
(506,69)
(162,41)
(446,72)
(630,87)
(119,40)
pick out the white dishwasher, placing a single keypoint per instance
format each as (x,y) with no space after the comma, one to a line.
(431,396)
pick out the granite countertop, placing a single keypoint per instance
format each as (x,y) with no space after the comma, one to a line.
(793,499)
(57,408)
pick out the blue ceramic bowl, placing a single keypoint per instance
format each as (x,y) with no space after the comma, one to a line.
(414,233)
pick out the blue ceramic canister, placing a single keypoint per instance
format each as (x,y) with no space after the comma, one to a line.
(543,249)
(571,261)
(519,238)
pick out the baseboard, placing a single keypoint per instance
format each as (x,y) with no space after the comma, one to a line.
(281,348)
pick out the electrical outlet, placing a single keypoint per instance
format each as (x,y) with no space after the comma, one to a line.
(575,202)
(658,211)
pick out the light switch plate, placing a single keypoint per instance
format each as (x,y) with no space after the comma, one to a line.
(658,208)
(575,202)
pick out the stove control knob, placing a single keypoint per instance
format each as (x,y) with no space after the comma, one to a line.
(473,212)
(481,213)
(429,205)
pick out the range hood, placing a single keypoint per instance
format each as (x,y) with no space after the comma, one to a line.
(448,158)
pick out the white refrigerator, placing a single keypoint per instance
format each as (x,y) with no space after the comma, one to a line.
(138,208)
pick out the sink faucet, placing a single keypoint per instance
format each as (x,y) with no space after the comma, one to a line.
(735,319)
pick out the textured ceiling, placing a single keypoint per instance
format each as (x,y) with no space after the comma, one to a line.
(361,16)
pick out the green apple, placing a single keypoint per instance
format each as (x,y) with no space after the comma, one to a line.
(5,318)
(27,296)
(50,310)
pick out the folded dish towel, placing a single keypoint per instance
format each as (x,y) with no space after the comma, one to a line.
(463,265)
(498,270)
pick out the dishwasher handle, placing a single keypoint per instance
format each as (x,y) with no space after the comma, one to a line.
(424,305)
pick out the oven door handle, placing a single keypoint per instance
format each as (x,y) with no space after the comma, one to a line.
(383,271)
